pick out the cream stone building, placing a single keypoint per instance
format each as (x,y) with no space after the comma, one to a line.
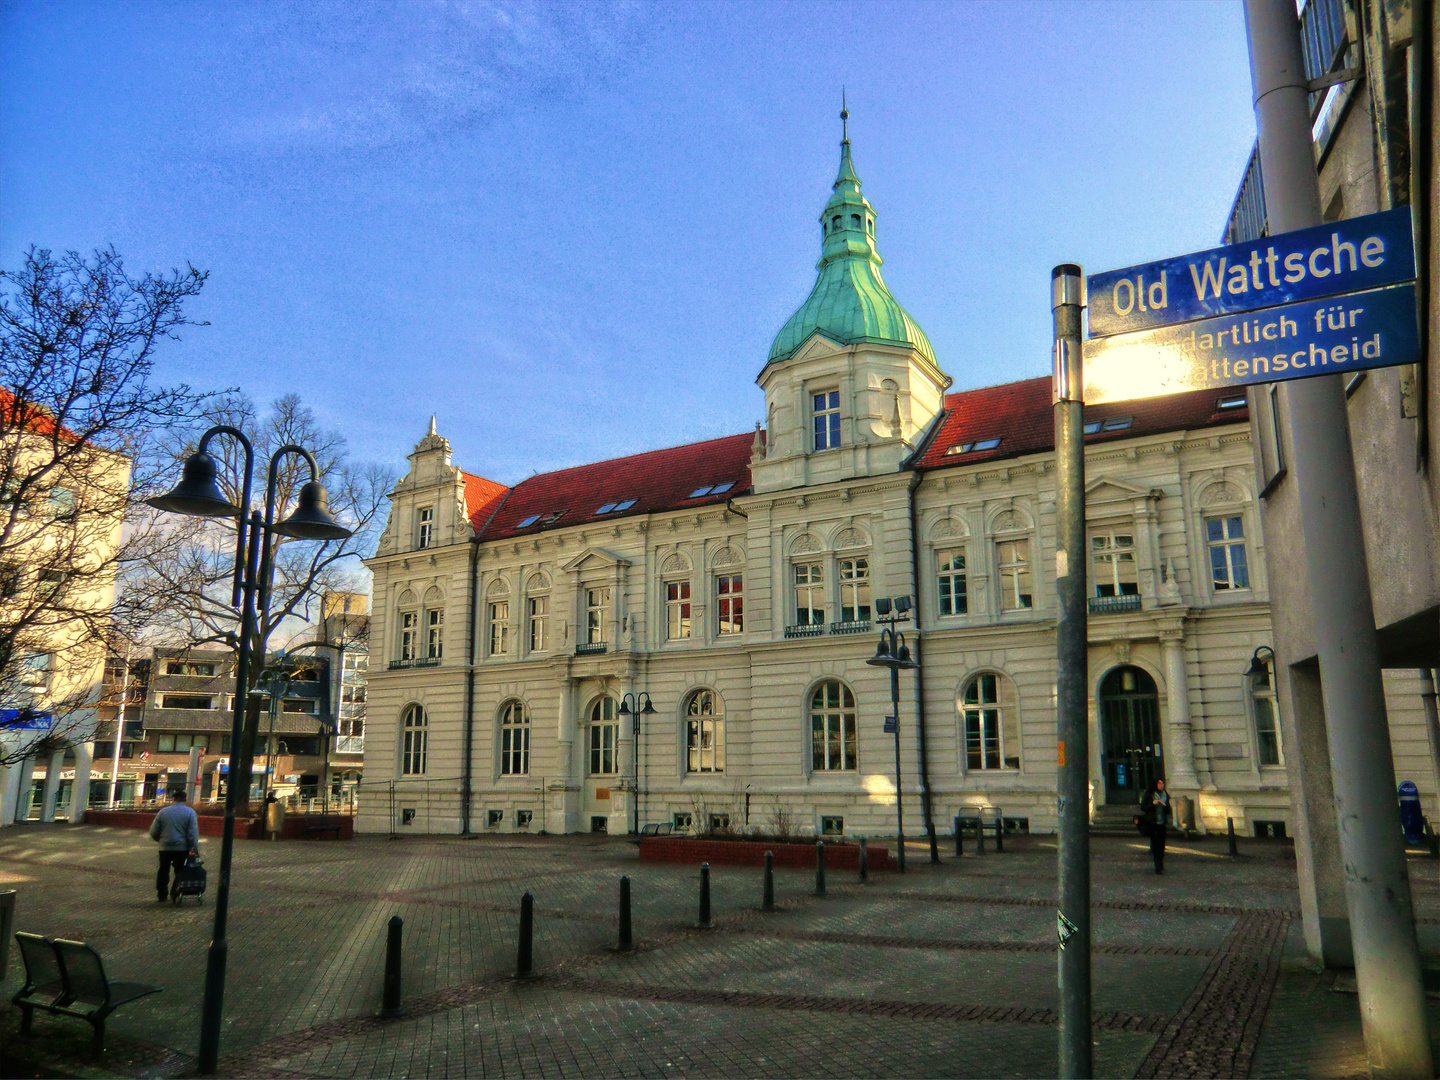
(734,582)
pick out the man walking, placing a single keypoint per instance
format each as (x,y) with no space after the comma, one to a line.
(178,830)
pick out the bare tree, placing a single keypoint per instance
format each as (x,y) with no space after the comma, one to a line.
(79,408)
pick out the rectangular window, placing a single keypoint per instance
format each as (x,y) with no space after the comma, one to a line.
(809,594)
(992,725)
(187,701)
(180,744)
(189,667)
(515,750)
(1113,558)
(832,728)
(302,705)
(1013,557)
(832,826)
(597,612)
(500,628)
(1229,569)
(854,590)
(704,734)
(677,609)
(1267,727)
(538,612)
(523,818)
(730,602)
(434,634)
(62,503)
(951,580)
(604,748)
(1272,449)
(680,822)
(425,527)
(825,408)
(409,634)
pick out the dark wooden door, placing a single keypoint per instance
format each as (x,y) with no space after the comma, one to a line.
(1130,724)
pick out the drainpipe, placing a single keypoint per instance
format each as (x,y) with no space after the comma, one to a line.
(469,735)
(920,680)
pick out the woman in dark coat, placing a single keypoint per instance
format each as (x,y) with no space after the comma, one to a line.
(1155,808)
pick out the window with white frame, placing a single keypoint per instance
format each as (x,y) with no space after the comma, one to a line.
(1113,569)
(425,527)
(604,738)
(809,594)
(415,734)
(950,580)
(990,715)
(1229,568)
(854,590)
(730,602)
(825,411)
(677,609)
(1267,715)
(704,733)
(499,613)
(514,740)
(537,611)
(434,633)
(832,727)
(409,635)
(1013,560)
(597,616)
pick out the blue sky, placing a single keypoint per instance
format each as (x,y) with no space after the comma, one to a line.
(572,231)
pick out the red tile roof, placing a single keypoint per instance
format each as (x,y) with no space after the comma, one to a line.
(481,497)
(32,416)
(657,480)
(1020,415)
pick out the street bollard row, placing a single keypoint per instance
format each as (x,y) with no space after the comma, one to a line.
(864,860)
(626,942)
(1230,832)
(820,868)
(390,1000)
(767,902)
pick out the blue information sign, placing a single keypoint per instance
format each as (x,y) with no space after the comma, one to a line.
(25,720)
(1338,334)
(1327,260)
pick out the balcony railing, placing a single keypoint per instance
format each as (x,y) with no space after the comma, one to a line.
(400,664)
(427,661)
(807,630)
(349,744)
(854,626)
(1114,605)
(591,648)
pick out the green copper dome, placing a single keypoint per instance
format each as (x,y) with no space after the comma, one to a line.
(850,302)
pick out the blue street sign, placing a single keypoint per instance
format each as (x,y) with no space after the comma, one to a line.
(1327,260)
(1339,334)
(891,726)
(25,720)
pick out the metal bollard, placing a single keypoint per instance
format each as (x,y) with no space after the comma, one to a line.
(525,957)
(767,903)
(390,1002)
(959,840)
(864,860)
(820,868)
(626,941)
(979,835)
(1230,829)
(705,922)
(999,834)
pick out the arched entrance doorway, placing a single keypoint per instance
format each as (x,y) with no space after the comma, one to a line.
(1130,734)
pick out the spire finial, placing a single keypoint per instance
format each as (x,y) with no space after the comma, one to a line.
(844,117)
(432,426)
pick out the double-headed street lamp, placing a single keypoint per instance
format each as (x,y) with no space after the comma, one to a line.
(635,706)
(199,495)
(893,653)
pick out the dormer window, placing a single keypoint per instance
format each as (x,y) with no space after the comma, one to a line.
(425,527)
(717,489)
(615,507)
(972,447)
(525,523)
(826,413)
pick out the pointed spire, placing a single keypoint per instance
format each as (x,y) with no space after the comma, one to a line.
(431,432)
(847,170)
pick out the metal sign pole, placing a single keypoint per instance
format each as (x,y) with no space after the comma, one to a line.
(1377,890)
(1072,920)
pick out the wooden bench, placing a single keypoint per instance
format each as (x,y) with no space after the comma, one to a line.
(66,978)
(332,823)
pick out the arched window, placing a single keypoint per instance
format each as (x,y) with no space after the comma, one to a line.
(991,716)
(855,221)
(835,221)
(950,576)
(832,727)
(1267,719)
(416,734)
(705,733)
(870,223)
(604,738)
(514,740)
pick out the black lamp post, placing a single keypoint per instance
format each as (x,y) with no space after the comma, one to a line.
(893,653)
(199,495)
(635,706)
(1261,661)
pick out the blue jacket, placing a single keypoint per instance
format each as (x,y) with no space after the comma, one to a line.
(177,828)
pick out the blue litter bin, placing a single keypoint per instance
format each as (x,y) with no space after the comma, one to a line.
(1412,821)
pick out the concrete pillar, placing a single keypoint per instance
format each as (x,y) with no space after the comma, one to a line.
(80,790)
(7,804)
(52,785)
(1318,863)
(557,806)
(18,798)
(192,777)
(1179,742)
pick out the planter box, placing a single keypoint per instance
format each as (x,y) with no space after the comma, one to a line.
(210,824)
(681,849)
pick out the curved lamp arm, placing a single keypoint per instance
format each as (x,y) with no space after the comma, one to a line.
(236,433)
(268,556)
